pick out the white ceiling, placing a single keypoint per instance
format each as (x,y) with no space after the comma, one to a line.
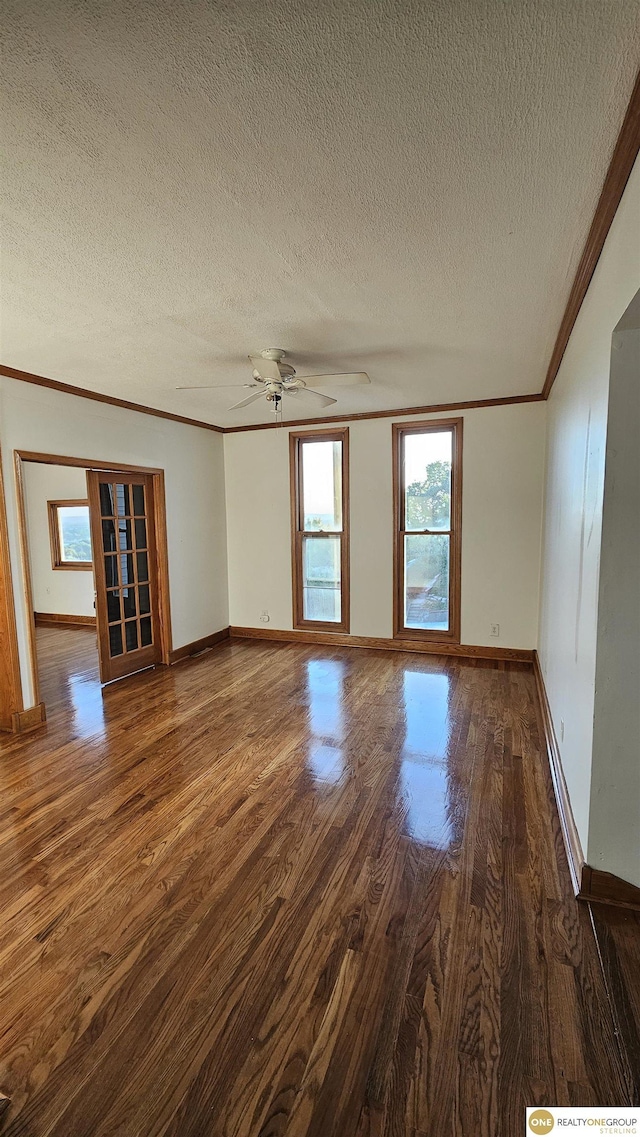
(398,187)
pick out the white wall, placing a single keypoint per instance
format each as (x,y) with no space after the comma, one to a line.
(68,591)
(614,816)
(503,456)
(576,441)
(39,419)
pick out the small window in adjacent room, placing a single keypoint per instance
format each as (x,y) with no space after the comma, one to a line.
(69,534)
(427,469)
(320,529)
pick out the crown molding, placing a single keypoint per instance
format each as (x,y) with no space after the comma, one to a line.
(622,161)
(98,397)
(397,412)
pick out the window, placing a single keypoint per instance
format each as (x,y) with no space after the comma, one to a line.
(69,534)
(427,467)
(320,529)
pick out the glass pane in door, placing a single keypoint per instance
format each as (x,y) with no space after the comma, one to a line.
(123,500)
(106,500)
(129,602)
(111,571)
(143,566)
(124,534)
(141,533)
(115,639)
(131,635)
(113,607)
(321,598)
(138,501)
(109,535)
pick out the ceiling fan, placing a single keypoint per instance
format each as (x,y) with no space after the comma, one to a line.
(272,379)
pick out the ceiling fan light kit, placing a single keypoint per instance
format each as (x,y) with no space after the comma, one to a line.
(273,378)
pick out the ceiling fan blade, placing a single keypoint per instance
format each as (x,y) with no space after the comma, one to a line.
(266,368)
(245,402)
(217,386)
(350,380)
(304,392)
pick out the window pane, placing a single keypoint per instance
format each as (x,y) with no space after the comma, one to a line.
(145,631)
(321,579)
(144,601)
(426,582)
(322,486)
(427,480)
(73,528)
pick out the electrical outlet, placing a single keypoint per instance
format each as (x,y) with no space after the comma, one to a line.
(562,730)
(265,617)
(495,630)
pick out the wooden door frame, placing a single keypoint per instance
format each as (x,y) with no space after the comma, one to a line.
(11,704)
(160,521)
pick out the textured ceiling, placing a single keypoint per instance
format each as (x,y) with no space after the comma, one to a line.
(398,187)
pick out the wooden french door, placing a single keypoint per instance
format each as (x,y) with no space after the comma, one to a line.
(125,562)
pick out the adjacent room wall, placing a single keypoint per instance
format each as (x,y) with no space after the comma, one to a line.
(614,816)
(576,443)
(65,591)
(503,458)
(40,419)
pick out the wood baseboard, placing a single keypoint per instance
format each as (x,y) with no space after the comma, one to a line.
(55,619)
(22,721)
(338,639)
(593,885)
(197,646)
(599,887)
(571,837)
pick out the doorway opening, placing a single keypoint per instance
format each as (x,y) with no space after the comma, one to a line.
(94,558)
(60,559)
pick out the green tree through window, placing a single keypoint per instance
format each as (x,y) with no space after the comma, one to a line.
(428,503)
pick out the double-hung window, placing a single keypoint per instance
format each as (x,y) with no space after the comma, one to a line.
(427,465)
(320,529)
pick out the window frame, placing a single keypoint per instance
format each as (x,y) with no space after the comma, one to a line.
(399,431)
(298,533)
(54,536)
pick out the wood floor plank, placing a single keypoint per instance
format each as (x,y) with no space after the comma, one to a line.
(295,891)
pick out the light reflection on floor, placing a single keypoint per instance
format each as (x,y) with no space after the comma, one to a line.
(324,681)
(424,767)
(85,696)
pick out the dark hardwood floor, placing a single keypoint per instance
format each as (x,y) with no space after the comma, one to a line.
(291,890)
(618,934)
